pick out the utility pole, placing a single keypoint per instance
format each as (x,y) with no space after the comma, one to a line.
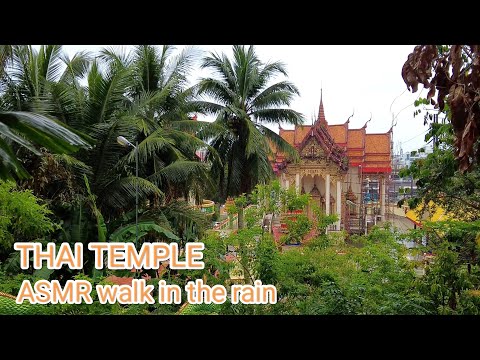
(411,186)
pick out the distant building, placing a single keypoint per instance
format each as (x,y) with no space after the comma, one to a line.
(403,160)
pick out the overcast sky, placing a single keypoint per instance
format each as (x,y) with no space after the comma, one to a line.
(366,79)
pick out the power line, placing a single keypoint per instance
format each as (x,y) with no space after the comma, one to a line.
(397,98)
(423,132)
(420,93)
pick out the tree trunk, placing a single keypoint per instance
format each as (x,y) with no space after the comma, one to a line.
(452,301)
(240,218)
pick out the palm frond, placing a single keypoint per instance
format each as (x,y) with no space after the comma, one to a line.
(9,163)
(202,129)
(49,62)
(255,141)
(217,90)
(276,116)
(180,172)
(76,67)
(107,153)
(278,142)
(122,192)
(44,131)
(116,58)
(180,66)
(179,211)
(128,232)
(106,92)
(277,94)
(207,107)
(222,67)
(73,164)
(146,68)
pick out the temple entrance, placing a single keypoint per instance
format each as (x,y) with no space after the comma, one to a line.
(315,186)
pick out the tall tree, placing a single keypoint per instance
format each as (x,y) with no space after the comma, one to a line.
(243,99)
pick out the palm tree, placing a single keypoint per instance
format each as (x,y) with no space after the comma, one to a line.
(243,99)
(140,95)
(26,118)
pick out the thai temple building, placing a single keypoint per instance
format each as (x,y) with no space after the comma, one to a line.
(346,170)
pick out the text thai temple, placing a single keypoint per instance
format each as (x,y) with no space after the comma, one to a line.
(346,170)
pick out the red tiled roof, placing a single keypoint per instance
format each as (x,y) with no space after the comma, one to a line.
(372,151)
(356,138)
(377,143)
(338,132)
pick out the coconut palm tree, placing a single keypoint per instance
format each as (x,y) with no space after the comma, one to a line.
(141,95)
(26,115)
(243,99)
(118,99)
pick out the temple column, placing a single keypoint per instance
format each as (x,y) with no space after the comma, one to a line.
(297,183)
(339,203)
(327,195)
(382,196)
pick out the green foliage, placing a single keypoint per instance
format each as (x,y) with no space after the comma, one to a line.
(252,216)
(324,278)
(293,201)
(322,221)
(445,281)
(240,201)
(22,217)
(101,227)
(26,129)
(127,233)
(297,228)
(200,309)
(266,255)
(267,197)
(231,209)
(438,180)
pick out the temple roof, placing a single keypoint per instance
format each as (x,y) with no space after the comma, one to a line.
(371,151)
(339,133)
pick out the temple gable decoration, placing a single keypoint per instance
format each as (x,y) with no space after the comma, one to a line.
(319,145)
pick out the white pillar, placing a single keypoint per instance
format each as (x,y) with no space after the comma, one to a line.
(297,183)
(287,184)
(327,195)
(339,203)
(382,204)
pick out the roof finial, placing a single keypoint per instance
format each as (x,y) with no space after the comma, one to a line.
(364,126)
(321,111)
(348,120)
